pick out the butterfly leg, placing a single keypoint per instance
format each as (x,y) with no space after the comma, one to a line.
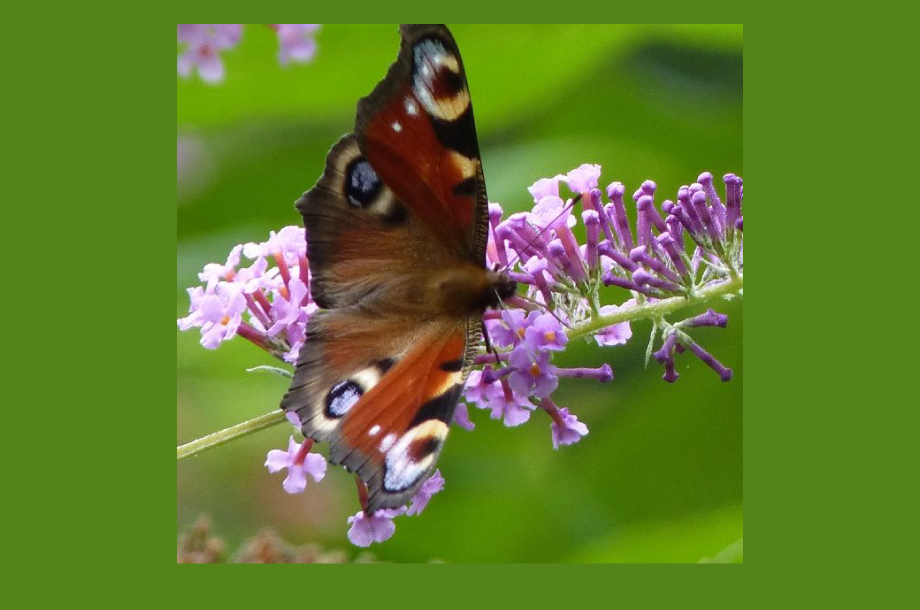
(489,348)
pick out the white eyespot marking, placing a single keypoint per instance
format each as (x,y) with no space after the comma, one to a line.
(396,127)
(342,397)
(345,394)
(373,431)
(413,455)
(411,107)
(387,442)
(438,83)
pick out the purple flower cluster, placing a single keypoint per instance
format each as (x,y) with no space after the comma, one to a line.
(378,526)
(366,528)
(655,262)
(203,43)
(676,253)
(273,293)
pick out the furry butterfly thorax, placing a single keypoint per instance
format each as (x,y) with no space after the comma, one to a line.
(397,228)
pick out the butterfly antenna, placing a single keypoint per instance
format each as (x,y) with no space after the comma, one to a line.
(566,209)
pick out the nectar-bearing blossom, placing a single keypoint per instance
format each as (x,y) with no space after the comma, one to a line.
(299,462)
(573,291)
(267,302)
(203,43)
(367,529)
(295,42)
(433,485)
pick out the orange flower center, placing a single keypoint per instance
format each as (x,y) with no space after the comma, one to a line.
(550,336)
(225,321)
(535,370)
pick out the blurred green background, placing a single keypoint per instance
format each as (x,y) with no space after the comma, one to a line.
(659,477)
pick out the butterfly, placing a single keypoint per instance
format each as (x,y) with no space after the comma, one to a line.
(397,228)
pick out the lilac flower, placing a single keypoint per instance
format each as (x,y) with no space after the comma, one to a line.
(277,298)
(545,187)
(288,310)
(462,417)
(299,462)
(203,44)
(480,387)
(511,330)
(296,42)
(512,408)
(583,178)
(294,418)
(551,212)
(433,485)
(217,313)
(215,272)
(533,374)
(615,334)
(566,428)
(288,244)
(368,529)
(545,332)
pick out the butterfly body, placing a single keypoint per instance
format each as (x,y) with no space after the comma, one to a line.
(396,238)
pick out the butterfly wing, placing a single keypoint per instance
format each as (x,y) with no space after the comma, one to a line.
(382,394)
(379,376)
(354,227)
(417,130)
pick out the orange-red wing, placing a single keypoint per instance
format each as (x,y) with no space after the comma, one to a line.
(417,131)
(386,416)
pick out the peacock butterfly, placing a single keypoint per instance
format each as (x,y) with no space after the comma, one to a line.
(396,232)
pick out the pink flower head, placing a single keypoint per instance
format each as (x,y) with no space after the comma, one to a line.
(566,428)
(256,276)
(290,243)
(616,334)
(513,409)
(480,387)
(299,462)
(433,485)
(511,329)
(545,187)
(215,272)
(295,42)
(288,310)
(294,418)
(218,314)
(462,417)
(583,178)
(533,373)
(552,212)
(545,332)
(203,42)
(366,530)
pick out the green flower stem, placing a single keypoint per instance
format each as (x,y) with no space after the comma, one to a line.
(229,434)
(660,308)
(640,311)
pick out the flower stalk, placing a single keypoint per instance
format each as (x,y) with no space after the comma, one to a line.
(229,434)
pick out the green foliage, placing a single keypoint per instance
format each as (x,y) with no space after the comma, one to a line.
(659,478)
